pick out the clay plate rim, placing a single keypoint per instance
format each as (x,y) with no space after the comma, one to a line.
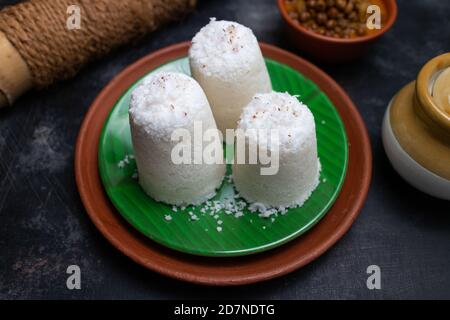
(222,271)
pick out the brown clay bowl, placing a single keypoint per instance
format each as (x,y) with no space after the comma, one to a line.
(334,50)
(222,271)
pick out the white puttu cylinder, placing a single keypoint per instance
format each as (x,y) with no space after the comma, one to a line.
(162,103)
(299,167)
(226,60)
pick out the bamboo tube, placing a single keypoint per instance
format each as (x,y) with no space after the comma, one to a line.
(37,48)
(15,77)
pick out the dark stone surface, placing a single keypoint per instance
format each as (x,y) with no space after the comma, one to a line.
(44,227)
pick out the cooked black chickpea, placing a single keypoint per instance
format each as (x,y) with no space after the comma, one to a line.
(332,18)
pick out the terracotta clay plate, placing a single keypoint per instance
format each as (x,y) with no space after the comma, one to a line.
(238,236)
(222,271)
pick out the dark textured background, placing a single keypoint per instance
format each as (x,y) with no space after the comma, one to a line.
(44,227)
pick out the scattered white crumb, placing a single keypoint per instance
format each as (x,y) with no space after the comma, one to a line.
(231,205)
(264,227)
(238,214)
(125,161)
(168,217)
(257,207)
(219,229)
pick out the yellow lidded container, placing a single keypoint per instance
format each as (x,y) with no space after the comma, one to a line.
(416,129)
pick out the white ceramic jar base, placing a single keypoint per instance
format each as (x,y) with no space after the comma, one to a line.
(415,174)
